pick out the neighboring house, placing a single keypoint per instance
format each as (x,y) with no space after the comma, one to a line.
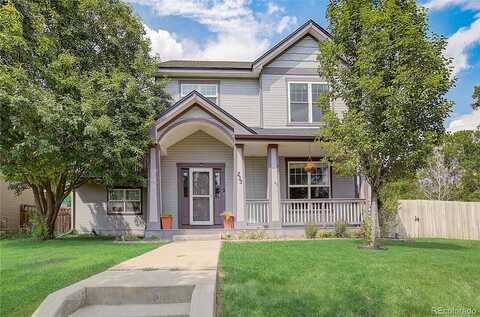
(237,138)
(10,204)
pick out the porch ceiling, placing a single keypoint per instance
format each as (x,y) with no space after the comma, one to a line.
(285,149)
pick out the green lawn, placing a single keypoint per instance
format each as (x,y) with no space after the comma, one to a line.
(335,278)
(30,270)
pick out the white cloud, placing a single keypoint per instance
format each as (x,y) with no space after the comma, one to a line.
(164,44)
(469,121)
(459,44)
(239,33)
(440,4)
(285,23)
(273,8)
(465,38)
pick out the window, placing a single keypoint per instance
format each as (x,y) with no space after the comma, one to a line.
(306,185)
(303,105)
(125,201)
(208,90)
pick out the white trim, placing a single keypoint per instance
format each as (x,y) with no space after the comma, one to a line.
(309,179)
(210,194)
(124,200)
(183,94)
(309,100)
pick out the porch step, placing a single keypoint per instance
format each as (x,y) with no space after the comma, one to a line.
(152,310)
(197,237)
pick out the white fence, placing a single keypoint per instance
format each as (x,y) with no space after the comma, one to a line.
(257,211)
(439,219)
(322,212)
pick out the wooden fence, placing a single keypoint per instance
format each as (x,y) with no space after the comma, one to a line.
(63,223)
(439,219)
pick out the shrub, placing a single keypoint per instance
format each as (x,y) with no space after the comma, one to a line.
(38,226)
(340,229)
(311,231)
(129,237)
(326,234)
(365,230)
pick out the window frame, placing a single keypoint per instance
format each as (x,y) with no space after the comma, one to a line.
(182,94)
(309,180)
(124,201)
(309,99)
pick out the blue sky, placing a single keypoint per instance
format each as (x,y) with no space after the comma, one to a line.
(242,30)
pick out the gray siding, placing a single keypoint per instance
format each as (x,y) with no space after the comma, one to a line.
(239,97)
(303,54)
(196,148)
(90,206)
(256,177)
(343,186)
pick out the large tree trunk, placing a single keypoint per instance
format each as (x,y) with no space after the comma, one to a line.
(374,230)
(48,206)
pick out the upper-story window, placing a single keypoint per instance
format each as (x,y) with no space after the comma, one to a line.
(302,101)
(208,90)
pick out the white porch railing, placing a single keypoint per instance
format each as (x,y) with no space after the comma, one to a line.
(322,212)
(257,211)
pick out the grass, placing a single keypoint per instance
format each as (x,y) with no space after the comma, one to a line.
(30,270)
(335,278)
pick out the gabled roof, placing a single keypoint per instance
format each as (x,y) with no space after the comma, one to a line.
(196,98)
(308,28)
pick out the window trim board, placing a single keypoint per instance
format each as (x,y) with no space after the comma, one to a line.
(112,213)
(309,98)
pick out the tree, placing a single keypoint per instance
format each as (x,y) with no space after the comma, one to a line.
(440,178)
(476,98)
(463,147)
(391,74)
(77,96)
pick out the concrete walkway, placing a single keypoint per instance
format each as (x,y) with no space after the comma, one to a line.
(177,279)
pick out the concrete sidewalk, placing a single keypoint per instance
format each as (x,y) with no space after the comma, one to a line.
(171,280)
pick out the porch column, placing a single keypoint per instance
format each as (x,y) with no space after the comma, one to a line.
(273,185)
(239,186)
(154,195)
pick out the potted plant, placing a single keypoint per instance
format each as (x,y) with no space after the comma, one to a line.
(166,219)
(227,217)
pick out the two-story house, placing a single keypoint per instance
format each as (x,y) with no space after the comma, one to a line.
(237,137)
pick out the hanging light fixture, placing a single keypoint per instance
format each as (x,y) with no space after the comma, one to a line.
(309,166)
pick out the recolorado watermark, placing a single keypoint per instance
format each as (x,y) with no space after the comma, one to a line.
(451,310)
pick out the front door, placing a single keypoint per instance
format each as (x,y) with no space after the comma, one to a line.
(201,196)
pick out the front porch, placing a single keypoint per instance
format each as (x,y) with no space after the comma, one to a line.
(206,162)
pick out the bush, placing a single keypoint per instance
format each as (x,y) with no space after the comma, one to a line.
(129,237)
(326,234)
(311,231)
(340,229)
(38,226)
(365,230)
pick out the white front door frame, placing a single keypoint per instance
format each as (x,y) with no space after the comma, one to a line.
(210,194)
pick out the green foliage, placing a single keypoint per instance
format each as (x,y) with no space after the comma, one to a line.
(366,230)
(463,147)
(77,96)
(391,192)
(311,231)
(392,75)
(326,234)
(476,98)
(37,225)
(340,229)
(128,236)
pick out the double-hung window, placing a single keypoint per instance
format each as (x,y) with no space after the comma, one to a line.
(208,90)
(303,101)
(125,201)
(308,185)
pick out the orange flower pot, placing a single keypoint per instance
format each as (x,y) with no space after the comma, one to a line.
(166,222)
(228,222)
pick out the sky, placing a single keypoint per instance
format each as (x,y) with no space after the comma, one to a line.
(242,30)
